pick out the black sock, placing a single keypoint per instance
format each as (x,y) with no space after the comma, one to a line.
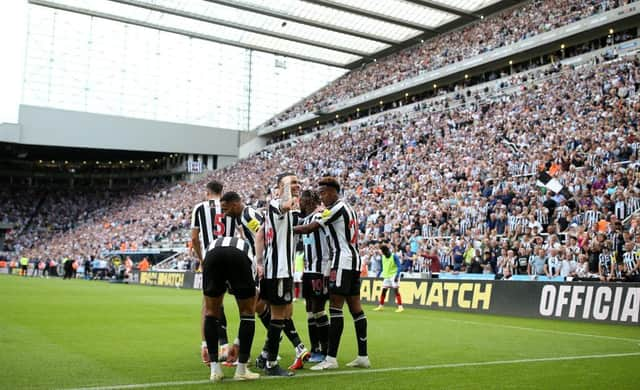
(360,322)
(291,333)
(313,332)
(222,328)
(211,337)
(322,322)
(273,339)
(245,335)
(265,317)
(335,331)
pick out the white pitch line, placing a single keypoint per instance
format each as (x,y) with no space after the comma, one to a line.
(534,329)
(375,370)
(541,330)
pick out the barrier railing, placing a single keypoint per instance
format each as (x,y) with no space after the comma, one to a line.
(617,303)
(578,301)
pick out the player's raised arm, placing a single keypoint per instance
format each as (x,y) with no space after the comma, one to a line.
(288,199)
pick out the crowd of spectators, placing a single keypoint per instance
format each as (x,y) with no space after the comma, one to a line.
(18,208)
(429,182)
(466,188)
(498,30)
(463,186)
(446,97)
(85,222)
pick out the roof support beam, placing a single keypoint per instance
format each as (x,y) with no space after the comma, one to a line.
(446,8)
(191,34)
(307,21)
(239,26)
(371,14)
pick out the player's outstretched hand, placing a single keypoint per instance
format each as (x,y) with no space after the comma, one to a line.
(291,204)
(260,271)
(232,353)
(204,353)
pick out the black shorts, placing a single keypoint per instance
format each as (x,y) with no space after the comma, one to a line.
(315,286)
(228,267)
(24,267)
(344,282)
(277,291)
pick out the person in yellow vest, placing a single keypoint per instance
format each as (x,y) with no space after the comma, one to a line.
(468,255)
(391,274)
(24,265)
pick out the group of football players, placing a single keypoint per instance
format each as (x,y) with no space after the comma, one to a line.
(250,254)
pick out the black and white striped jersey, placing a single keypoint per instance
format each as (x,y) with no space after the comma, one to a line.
(591,217)
(342,224)
(445,257)
(208,217)
(617,241)
(251,220)
(542,216)
(463,226)
(630,260)
(428,230)
(553,264)
(575,252)
(317,252)
(632,204)
(605,260)
(516,221)
(620,209)
(562,212)
(280,242)
(234,242)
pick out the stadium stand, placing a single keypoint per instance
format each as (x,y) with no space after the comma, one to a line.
(580,125)
(553,155)
(481,37)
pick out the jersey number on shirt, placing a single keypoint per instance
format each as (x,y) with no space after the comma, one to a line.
(354,232)
(220,228)
(268,237)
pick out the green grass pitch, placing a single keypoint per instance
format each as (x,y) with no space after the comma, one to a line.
(57,334)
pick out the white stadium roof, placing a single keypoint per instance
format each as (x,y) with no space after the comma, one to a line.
(341,33)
